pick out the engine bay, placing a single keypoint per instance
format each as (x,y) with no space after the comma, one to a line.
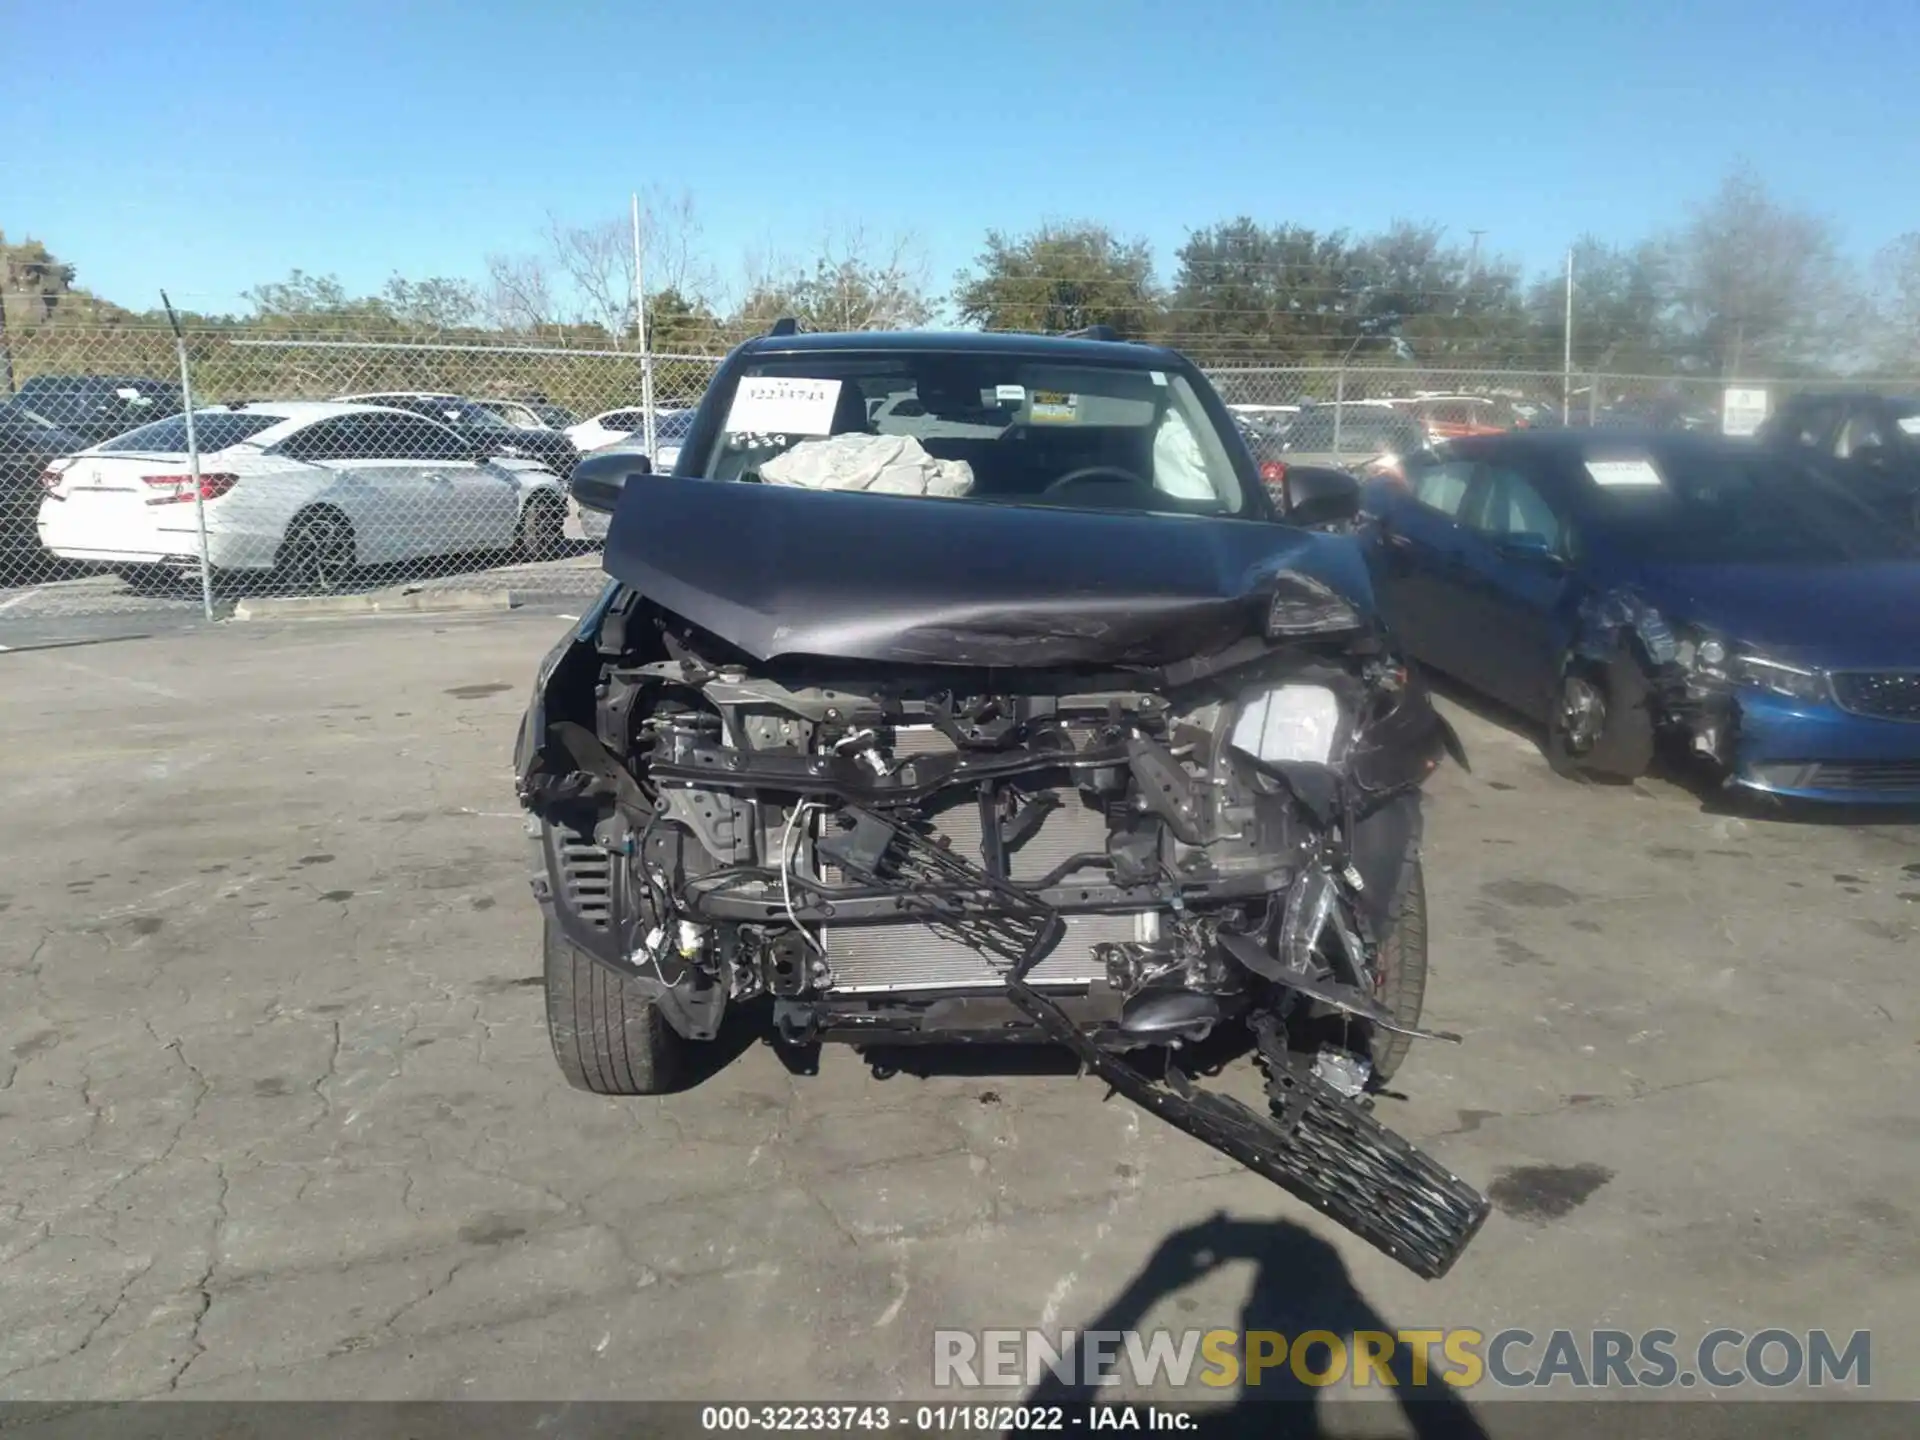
(1117,862)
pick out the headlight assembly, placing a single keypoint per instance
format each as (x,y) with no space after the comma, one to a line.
(1289,724)
(1792,681)
(1302,605)
(1709,657)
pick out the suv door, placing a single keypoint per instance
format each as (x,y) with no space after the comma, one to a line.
(1418,541)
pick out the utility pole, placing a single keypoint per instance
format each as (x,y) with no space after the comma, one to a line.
(1473,265)
(640,333)
(1566,381)
(6,289)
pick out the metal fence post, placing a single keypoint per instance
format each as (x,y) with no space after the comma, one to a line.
(193,458)
(1339,405)
(648,427)
(1593,399)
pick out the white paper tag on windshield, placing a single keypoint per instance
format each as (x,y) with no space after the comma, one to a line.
(1010,394)
(1909,424)
(1625,473)
(779,405)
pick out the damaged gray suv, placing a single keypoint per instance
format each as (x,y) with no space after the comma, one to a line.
(968,688)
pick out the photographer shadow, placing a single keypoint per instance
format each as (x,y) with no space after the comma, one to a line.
(1299,1284)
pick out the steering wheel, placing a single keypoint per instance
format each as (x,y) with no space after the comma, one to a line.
(1112,473)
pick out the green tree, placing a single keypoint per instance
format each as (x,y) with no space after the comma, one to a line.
(1248,292)
(677,325)
(312,304)
(1622,296)
(33,280)
(1059,277)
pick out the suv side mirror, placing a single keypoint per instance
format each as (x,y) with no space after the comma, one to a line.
(1320,495)
(598,479)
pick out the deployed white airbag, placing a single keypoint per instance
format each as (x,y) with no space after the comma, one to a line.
(883,464)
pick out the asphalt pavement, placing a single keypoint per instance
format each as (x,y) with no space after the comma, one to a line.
(278,1116)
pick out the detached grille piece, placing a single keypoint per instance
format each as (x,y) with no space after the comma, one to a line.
(1880,694)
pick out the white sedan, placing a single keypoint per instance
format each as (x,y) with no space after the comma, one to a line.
(309,490)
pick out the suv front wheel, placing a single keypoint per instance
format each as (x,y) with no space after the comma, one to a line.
(608,1037)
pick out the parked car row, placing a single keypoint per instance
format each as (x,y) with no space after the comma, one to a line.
(306,490)
(391,490)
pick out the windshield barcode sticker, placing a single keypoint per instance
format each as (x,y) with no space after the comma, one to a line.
(1909,424)
(780,405)
(1625,473)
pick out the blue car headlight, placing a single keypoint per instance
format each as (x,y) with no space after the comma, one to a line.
(1708,657)
(1793,681)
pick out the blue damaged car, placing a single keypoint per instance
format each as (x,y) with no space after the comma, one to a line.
(1629,589)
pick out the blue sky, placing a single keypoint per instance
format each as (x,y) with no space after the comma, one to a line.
(208,146)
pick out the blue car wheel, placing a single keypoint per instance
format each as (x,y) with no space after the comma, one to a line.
(1601,724)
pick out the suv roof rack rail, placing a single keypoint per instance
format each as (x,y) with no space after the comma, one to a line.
(785,325)
(1093,332)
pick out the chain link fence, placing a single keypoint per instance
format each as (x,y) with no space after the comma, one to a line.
(314,466)
(264,466)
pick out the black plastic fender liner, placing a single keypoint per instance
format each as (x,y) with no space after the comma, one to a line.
(1247,951)
(1381,841)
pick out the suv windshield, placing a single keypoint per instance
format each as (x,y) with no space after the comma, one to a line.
(213,430)
(1008,429)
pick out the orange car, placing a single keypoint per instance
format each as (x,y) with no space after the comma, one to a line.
(1449,417)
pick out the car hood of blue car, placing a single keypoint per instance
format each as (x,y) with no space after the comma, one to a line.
(1857,615)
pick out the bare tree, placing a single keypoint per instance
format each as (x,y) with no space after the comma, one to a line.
(519,292)
(1896,303)
(866,283)
(854,282)
(583,274)
(597,261)
(1758,285)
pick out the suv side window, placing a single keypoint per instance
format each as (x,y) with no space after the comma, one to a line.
(1862,430)
(1810,423)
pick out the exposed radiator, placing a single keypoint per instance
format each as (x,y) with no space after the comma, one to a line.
(873,958)
(915,957)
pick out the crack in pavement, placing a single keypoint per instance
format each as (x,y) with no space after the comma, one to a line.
(203,1287)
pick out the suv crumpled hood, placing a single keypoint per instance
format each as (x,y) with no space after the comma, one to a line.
(778,570)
